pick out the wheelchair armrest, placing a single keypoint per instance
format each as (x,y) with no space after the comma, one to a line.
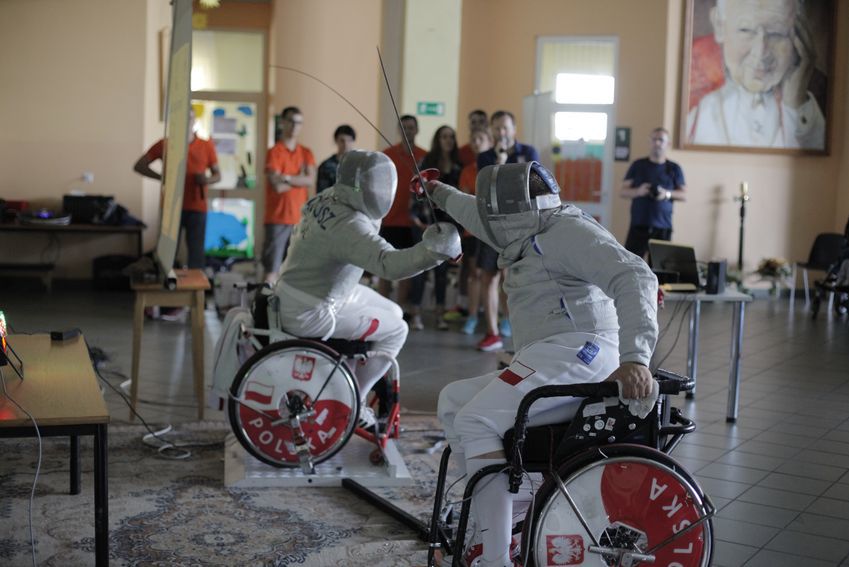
(672,383)
(588,390)
(669,383)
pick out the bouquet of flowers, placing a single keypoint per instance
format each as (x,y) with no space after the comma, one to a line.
(776,271)
(774,268)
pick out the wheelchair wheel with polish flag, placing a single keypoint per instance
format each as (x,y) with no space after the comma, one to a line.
(629,505)
(292,402)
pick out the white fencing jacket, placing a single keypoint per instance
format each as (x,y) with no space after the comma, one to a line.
(335,242)
(570,276)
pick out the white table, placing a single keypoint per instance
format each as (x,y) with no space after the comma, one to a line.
(739,300)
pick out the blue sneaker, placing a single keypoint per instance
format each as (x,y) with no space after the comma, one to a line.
(504,328)
(470,325)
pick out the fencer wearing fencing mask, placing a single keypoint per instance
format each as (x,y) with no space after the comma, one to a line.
(337,239)
(583,309)
(511,201)
(366,181)
(565,272)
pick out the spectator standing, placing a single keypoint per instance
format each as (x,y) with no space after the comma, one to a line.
(652,183)
(470,271)
(397,227)
(344,137)
(477,121)
(200,159)
(443,155)
(290,173)
(506,149)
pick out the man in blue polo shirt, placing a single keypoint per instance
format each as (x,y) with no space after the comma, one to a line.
(652,183)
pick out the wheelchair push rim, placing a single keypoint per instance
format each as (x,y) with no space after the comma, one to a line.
(300,375)
(635,500)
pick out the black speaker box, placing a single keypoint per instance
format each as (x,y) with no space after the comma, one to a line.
(716,277)
(88,209)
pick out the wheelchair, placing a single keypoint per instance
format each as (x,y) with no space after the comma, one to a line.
(295,401)
(611,494)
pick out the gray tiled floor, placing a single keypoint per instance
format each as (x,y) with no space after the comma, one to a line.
(779,476)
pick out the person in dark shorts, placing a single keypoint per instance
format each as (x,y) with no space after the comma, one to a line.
(652,183)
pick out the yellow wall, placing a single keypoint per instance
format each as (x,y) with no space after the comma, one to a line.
(793,198)
(335,41)
(73,99)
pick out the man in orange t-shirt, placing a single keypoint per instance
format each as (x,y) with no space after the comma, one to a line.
(290,176)
(477,121)
(398,225)
(201,158)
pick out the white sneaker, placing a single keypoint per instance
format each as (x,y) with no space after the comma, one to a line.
(367,418)
(416,323)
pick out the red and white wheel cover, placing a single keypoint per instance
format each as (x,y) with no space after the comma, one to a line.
(637,493)
(295,373)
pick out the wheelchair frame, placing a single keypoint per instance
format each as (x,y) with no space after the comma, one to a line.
(340,351)
(650,439)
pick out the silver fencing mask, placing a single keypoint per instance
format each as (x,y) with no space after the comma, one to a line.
(510,198)
(366,181)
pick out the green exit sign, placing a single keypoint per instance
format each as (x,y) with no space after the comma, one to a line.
(430,108)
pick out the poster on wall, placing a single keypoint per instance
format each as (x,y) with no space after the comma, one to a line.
(758,75)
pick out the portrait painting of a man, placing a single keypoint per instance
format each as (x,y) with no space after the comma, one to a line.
(756,74)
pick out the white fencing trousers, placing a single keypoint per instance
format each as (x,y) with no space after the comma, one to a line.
(364,315)
(477,412)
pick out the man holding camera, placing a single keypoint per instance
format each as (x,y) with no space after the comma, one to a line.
(652,183)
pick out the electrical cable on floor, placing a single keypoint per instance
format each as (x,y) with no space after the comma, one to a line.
(168,450)
(37,467)
(98,356)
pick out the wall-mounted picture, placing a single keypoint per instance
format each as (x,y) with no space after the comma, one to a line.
(757,75)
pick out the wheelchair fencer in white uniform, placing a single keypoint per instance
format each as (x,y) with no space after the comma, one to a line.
(583,309)
(296,402)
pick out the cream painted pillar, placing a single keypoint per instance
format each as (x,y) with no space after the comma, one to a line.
(431,64)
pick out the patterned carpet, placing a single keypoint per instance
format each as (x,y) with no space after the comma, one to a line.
(178,512)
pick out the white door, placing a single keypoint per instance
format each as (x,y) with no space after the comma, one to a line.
(575,118)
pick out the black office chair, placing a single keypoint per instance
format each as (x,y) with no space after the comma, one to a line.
(824,253)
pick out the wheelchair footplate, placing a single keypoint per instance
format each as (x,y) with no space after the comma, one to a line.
(244,471)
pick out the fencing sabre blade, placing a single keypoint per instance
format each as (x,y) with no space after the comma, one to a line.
(422,180)
(340,95)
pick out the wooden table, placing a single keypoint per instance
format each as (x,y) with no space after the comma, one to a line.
(45,269)
(189,292)
(78,228)
(61,392)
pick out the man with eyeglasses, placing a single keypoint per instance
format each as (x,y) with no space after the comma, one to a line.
(290,175)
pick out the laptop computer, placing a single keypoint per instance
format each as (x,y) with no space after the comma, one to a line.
(675,266)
